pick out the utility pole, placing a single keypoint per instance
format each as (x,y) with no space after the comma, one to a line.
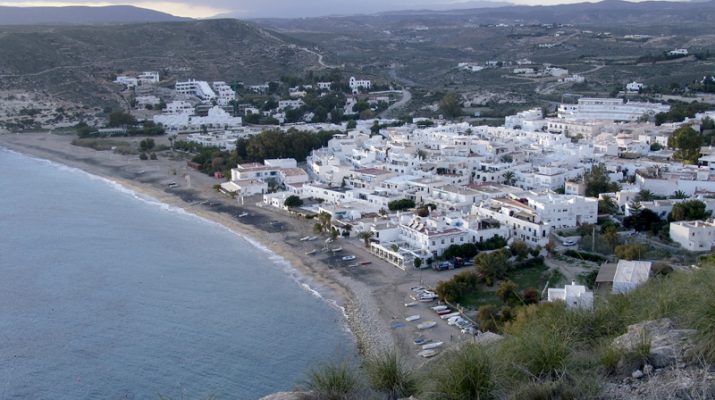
(593,240)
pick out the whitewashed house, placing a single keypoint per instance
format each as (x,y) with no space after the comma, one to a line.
(575,296)
(693,235)
(629,275)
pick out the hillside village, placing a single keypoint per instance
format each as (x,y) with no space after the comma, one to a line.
(598,198)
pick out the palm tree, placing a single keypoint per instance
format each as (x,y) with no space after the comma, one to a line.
(366,236)
(607,205)
(509,178)
(645,195)
(679,194)
(388,374)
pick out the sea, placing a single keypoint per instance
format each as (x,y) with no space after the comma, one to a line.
(106,294)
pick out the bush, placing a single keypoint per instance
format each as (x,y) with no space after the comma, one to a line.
(143,156)
(293,201)
(333,382)
(399,205)
(467,373)
(584,256)
(388,374)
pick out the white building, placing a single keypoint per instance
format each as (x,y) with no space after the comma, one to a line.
(148,77)
(630,274)
(693,235)
(127,81)
(609,109)
(225,93)
(634,87)
(556,71)
(245,187)
(179,107)
(678,52)
(325,85)
(200,89)
(575,296)
(143,101)
(217,118)
(356,85)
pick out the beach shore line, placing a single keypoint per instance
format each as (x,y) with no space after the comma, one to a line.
(353,298)
(371,297)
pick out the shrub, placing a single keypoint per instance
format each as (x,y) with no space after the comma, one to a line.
(333,382)
(467,373)
(143,156)
(388,374)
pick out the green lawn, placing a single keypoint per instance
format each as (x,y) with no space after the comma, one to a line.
(533,277)
(478,298)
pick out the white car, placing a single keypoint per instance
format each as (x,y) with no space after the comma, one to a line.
(348,258)
(569,243)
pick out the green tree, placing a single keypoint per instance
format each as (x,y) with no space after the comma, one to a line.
(451,105)
(520,249)
(507,292)
(690,210)
(679,194)
(146,144)
(418,262)
(629,251)
(597,181)
(352,124)
(402,204)
(119,118)
(366,236)
(509,178)
(491,265)
(487,316)
(293,201)
(686,142)
(607,205)
(611,236)
(645,195)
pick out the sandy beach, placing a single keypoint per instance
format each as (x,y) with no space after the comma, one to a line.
(373,296)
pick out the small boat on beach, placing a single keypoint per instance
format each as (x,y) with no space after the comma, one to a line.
(337,249)
(426,325)
(303,239)
(348,258)
(445,311)
(352,265)
(428,353)
(311,238)
(412,318)
(241,215)
(432,345)
(450,315)
(440,308)
(421,341)
(366,263)
(411,304)
(310,253)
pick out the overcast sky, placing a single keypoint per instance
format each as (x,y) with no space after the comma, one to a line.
(271,8)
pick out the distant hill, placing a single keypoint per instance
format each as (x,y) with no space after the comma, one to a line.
(615,13)
(79,62)
(80,15)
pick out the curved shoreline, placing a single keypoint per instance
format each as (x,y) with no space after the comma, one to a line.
(360,314)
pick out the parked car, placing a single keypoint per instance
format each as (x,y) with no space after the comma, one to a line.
(443,266)
(569,243)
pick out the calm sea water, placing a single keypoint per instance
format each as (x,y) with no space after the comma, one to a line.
(104,295)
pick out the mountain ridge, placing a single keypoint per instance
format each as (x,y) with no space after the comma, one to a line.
(82,15)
